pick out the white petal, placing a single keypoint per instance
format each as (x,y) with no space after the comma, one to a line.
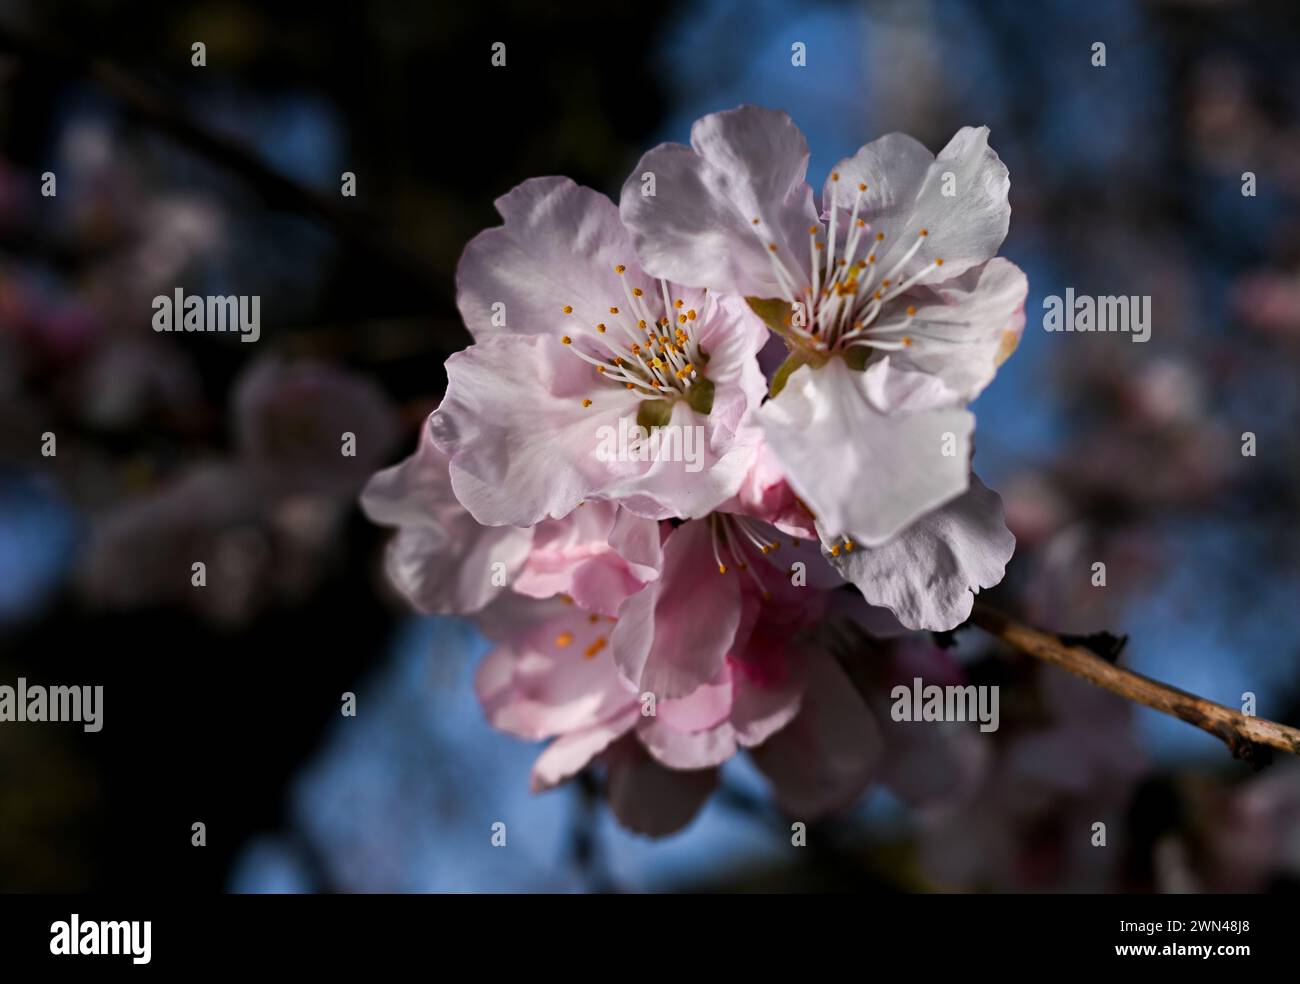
(864,474)
(929,574)
(441,559)
(958,198)
(567,756)
(558,248)
(522,445)
(744,164)
(966,328)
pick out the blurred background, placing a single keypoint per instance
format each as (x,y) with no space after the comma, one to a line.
(222,706)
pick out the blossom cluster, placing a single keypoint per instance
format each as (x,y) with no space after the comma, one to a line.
(659,615)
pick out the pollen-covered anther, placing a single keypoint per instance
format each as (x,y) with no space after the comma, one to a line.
(637,292)
(586,403)
(613,310)
(722,568)
(591,651)
(568,309)
(911,311)
(620,268)
(564,639)
(565,339)
(601,328)
(925,232)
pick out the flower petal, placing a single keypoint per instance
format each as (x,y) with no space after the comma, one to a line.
(958,198)
(522,445)
(864,474)
(826,756)
(673,635)
(569,754)
(928,575)
(544,683)
(441,560)
(649,799)
(965,328)
(575,556)
(697,228)
(557,249)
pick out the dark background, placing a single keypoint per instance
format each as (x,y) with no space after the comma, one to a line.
(224,179)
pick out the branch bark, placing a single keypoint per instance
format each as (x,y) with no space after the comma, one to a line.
(1249,738)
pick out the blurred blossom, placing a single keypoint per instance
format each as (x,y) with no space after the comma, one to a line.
(265,522)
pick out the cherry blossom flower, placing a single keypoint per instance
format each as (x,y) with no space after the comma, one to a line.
(572,337)
(891,301)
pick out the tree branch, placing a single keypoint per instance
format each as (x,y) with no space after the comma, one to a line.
(1248,737)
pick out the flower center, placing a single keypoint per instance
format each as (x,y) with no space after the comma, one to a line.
(849,302)
(649,349)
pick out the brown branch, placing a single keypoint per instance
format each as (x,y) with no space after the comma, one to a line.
(1248,737)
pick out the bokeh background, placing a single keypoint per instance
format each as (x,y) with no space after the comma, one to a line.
(222,705)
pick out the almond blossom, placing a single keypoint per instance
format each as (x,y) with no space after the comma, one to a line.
(896,314)
(571,336)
